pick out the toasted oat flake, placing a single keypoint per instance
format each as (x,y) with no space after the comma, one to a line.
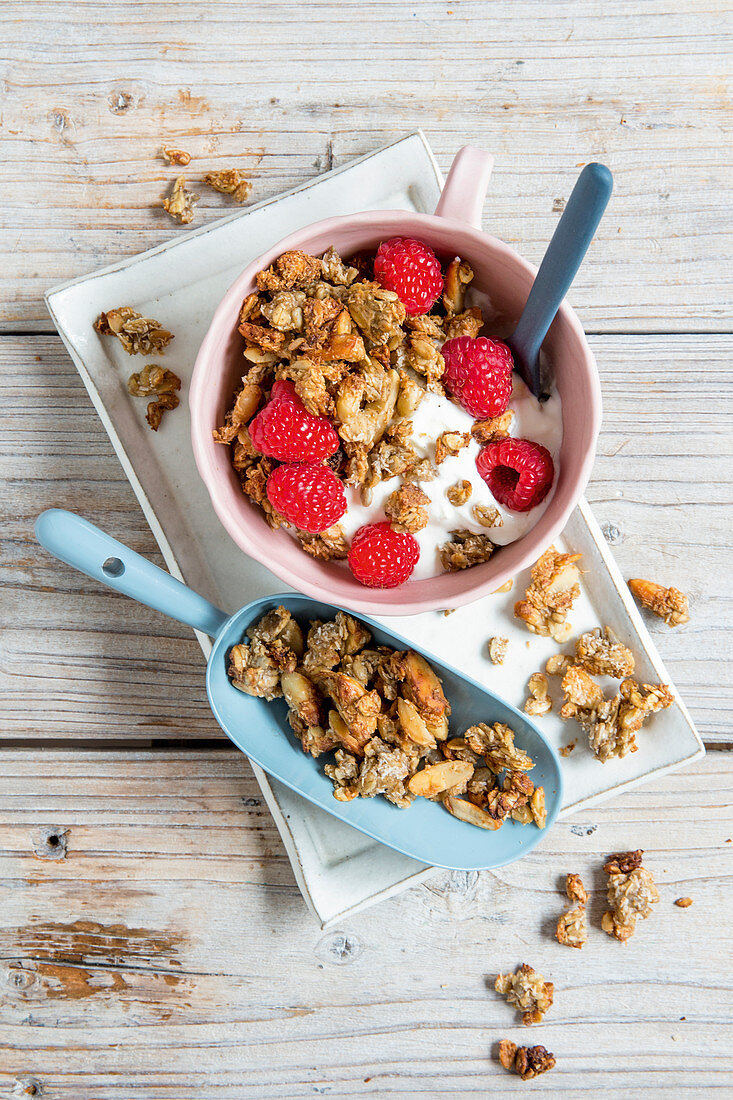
(330,545)
(567,749)
(459,493)
(449,444)
(229,181)
(486,516)
(138,335)
(539,701)
(683,903)
(180,203)
(527,991)
(496,427)
(498,647)
(668,603)
(152,379)
(600,652)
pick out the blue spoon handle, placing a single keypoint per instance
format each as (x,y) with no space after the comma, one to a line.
(562,259)
(86,548)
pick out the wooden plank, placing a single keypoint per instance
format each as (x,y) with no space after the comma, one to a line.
(167,953)
(546,87)
(102,667)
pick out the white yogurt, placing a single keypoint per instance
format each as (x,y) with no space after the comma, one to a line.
(541,423)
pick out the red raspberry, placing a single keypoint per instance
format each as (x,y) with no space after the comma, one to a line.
(310,497)
(411,270)
(478,372)
(284,429)
(519,472)
(382,558)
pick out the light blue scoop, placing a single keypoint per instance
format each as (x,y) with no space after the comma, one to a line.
(425,831)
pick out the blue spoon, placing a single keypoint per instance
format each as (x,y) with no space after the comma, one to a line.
(559,267)
(425,831)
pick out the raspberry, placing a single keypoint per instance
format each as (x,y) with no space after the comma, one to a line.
(310,497)
(519,472)
(478,373)
(284,429)
(382,558)
(411,270)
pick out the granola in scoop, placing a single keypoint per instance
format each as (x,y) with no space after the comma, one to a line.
(385,716)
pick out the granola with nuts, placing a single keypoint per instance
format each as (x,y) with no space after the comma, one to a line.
(229,181)
(358,360)
(631,894)
(611,723)
(668,603)
(152,379)
(384,714)
(156,409)
(551,594)
(527,991)
(180,203)
(331,545)
(527,1062)
(138,335)
(464,550)
(572,926)
(600,652)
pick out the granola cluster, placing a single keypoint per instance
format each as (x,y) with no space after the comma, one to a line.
(631,894)
(527,1062)
(385,716)
(611,723)
(554,588)
(572,926)
(159,382)
(668,603)
(142,335)
(355,356)
(527,991)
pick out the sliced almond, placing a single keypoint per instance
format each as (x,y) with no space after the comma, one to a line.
(413,726)
(467,811)
(440,777)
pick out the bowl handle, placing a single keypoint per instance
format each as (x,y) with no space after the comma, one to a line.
(465,189)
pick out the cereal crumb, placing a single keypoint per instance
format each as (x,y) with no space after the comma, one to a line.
(684,903)
(230,181)
(459,493)
(180,203)
(567,749)
(498,646)
(539,701)
(175,156)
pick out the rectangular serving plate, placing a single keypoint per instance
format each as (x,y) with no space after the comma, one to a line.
(338,870)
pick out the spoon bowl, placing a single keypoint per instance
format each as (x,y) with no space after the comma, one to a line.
(425,831)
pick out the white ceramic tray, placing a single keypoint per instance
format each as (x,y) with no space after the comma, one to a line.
(338,870)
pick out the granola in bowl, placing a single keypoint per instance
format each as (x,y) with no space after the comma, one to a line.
(374,367)
(382,718)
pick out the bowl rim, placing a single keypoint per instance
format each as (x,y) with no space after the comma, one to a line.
(220,493)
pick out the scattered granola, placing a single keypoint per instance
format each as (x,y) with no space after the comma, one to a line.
(406,507)
(498,646)
(539,701)
(497,427)
(448,444)
(567,749)
(684,903)
(611,724)
(487,517)
(330,545)
(600,652)
(557,664)
(138,335)
(175,156)
(156,409)
(572,926)
(459,493)
(151,380)
(527,991)
(551,594)
(230,181)
(180,203)
(527,1062)
(385,714)
(668,603)
(464,550)
(631,894)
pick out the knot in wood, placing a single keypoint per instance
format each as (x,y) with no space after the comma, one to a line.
(27,1086)
(612,533)
(18,977)
(339,948)
(119,102)
(50,842)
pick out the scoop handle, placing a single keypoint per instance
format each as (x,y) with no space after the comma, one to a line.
(564,255)
(82,545)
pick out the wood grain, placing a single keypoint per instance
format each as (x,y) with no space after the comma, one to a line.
(285,94)
(168,954)
(103,667)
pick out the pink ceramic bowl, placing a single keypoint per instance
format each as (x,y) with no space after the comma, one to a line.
(454,229)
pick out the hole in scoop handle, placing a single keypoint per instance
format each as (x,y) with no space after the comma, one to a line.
(465,189)
(82,545)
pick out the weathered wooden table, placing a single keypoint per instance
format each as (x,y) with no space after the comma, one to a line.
(154,943)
